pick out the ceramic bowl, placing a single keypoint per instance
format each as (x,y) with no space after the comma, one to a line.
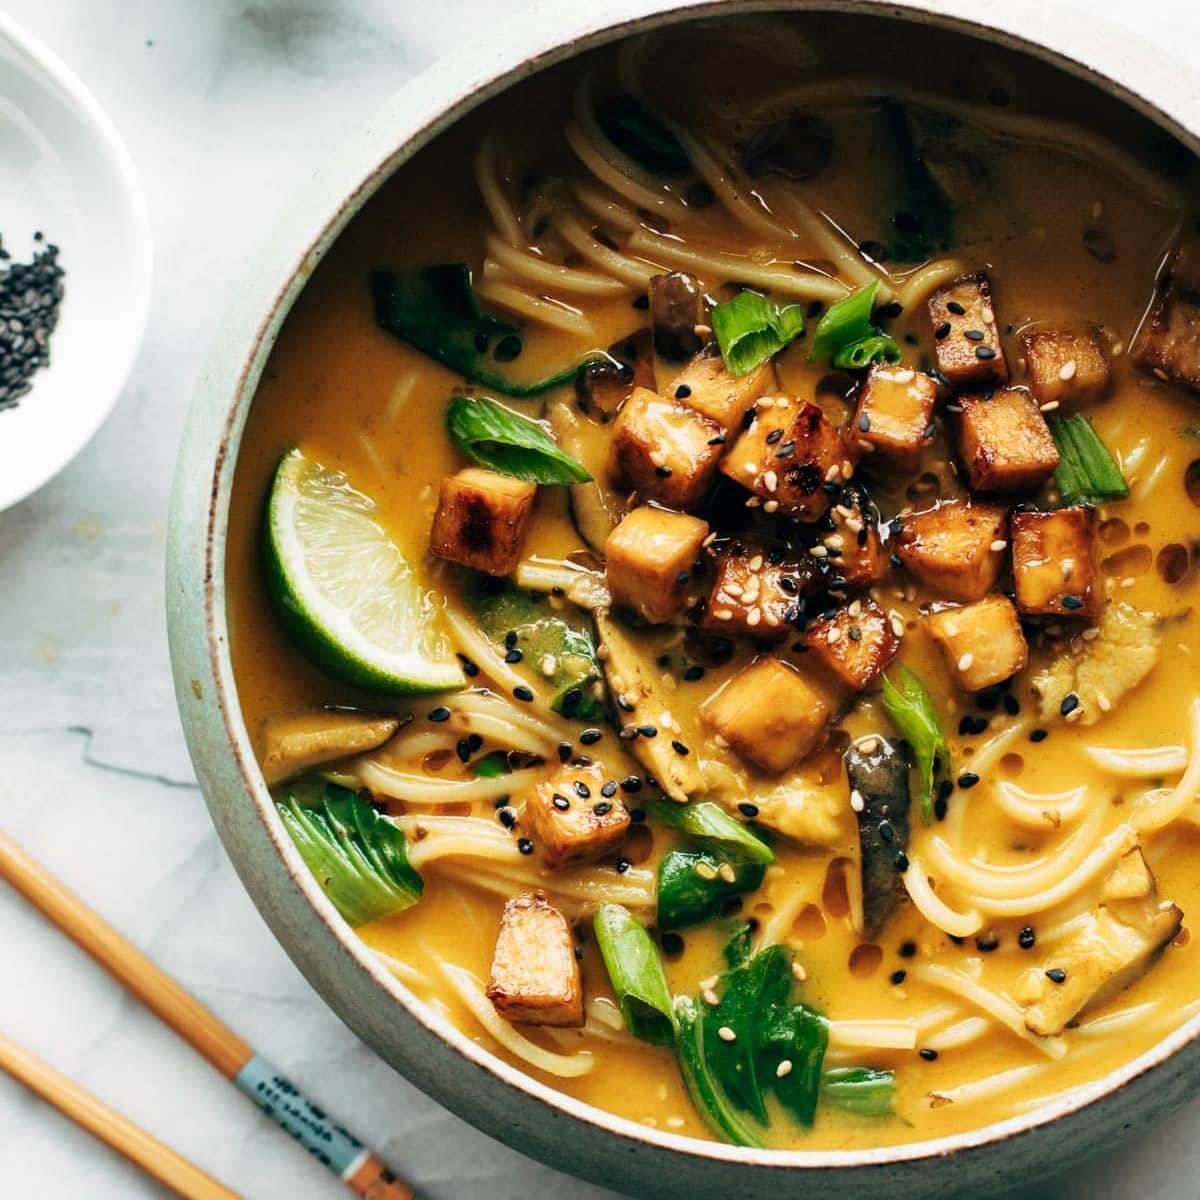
(452,1068)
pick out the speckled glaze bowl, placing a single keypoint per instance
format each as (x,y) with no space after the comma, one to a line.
(460,1074)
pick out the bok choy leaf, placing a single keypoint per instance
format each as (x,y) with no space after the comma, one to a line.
(636,973)
(504,441)
(911,710)
(704,819)
(864,1091)
(357,856)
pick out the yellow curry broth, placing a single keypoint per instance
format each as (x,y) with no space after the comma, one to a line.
(356,398)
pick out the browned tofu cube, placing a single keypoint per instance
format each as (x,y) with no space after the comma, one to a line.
(785,457)
(570,821)
(1055,563)
(1065,368)
(602,387)
(481,518)
(755,596)
(1168,343)
(535,975)
(893,422)
(649,560)
(856,643)
(982,642)
(956,547)
(767,713)
(965,340)
(707,386)
(1004,442)
(664,451)
(855,544)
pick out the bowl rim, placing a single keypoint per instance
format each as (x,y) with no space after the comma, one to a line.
(423,109)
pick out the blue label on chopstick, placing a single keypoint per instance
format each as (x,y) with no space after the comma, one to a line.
(283,1102)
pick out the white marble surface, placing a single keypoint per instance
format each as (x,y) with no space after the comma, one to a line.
(225,106)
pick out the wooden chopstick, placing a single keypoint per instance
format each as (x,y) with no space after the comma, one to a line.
(181,1176)
(363,1172)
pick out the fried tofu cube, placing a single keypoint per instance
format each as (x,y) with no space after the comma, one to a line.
(956,547)
(982,642)
(570,821)
(855,644)
(785,457)
(966,342)
(649,559)
(767,713)
(1004,442)
(893,421)
(858,550)
(1065,368)
(603,386)
(481,519)
(664,451)
(1055,563)
(755,596)
(707,386)
(535,977)
(1168,343)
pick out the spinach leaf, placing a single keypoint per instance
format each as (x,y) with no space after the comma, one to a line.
(637,132)
(504,441)
(750,329)
(434,310)
(357,856)
(864,1091)
(911,709)
(692,888)
(710,822)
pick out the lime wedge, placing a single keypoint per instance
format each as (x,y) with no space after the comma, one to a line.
(343,590)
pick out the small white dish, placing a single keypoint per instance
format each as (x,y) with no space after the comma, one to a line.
(64,171)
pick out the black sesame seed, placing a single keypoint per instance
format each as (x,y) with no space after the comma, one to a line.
(625,706)
(601,807)
(974,335)
(901,861)
(1069,705)
(682,392)
(565,750)
(628,733)
(984,352)
(886,832)
(968,779)
(623,865)
(986,943)
(524,845)
(718,440)
(514,655)
(747,809)
(927,1054)
(510,639)
(1072,602)
(942,331)
(470,670)
(523,693)
(1039,735)
(679,747)
(774,436)
(786,449)
(589,737)
(637,815)
(441,713)
(1012,705)
(898,977)
(683,577)
(609,788)
(507,817)
(560,802)
(672,944)
(1056,975)
(648,731)
(578,952)
(694,673)
(571,700)
(641,302)
(908,949)
(474,742)
(940,809)
(864,422)
(581,789)
(631,784)
(956,308)
(1026,938)
(895,560)
(463,749)
(663,472)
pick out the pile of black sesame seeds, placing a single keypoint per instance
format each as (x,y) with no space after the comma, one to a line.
(30,294)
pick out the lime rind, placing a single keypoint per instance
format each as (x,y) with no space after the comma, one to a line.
(344,591)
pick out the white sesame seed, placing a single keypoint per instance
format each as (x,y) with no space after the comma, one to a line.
(855,608)
(549,664)
(999,544)
(987,316)
(770,480)
(754,616)
(832,473)
(1049,407)
(835,540)
(723,614)
(897,624)
(706,870)
(869,745)
(964,663)
(710,997)
(727,874)
(770,617)
(784,1069)
(1067,370)
(854,525)
(833,635)
(771,506)
(1104,703)
(708,983)
(755,564)
(798,971)
(708,541)
(818,552)
(658,458)
(856,800)
(1074,715)
(753,502)
(726,1034)
(905,376)
(1067,566)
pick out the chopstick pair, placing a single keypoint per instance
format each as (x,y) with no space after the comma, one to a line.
(363,1172)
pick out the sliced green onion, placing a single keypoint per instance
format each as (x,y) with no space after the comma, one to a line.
(750,329)
(357,856)
(636,973)
(1086,472)
(864,1091)
(911,709)
(798,1036)
(504,441)
(704,819)
(703,1088)
(435,310)
(847,337)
